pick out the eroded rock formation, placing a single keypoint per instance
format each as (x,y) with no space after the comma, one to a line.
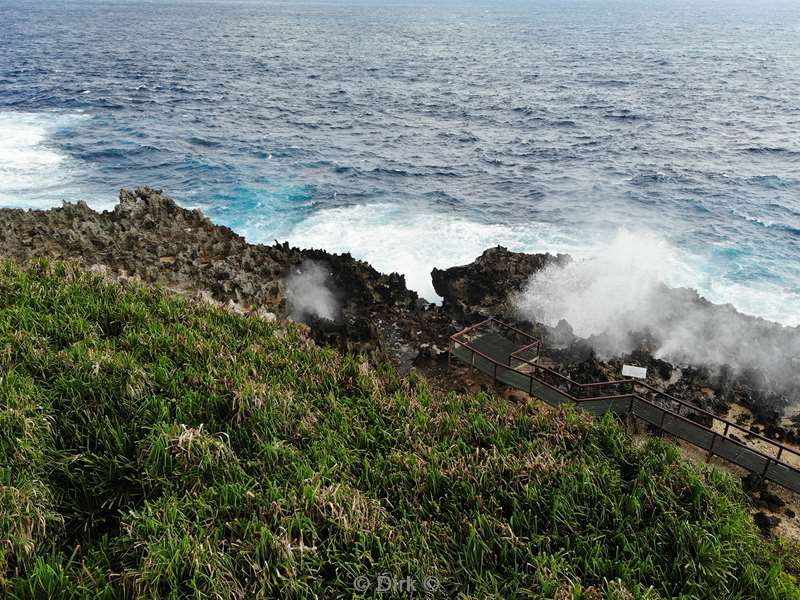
(486,287)
(149,237)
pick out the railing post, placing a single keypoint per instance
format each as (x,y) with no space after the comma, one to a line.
(766,467)
(530,380)
(494,374)
(711,449)
(725,433)
(780,451)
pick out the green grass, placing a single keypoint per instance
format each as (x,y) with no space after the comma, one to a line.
(155,448)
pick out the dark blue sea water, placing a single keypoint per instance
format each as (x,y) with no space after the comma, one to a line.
(415,134)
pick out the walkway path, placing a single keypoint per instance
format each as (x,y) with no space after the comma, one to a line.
(514,358)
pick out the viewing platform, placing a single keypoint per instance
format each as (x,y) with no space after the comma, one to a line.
(515,358)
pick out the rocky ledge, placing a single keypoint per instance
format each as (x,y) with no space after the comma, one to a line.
(147,236)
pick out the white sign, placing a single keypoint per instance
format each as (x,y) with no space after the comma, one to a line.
(631,371)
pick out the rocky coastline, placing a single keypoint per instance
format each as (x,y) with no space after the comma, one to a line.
(148,237)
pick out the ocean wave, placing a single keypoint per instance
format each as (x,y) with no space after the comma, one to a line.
(773,182)
(773,150)
(772,224)
(413,241)
(434,171)
(203,142)
(645,179)
(623,115)
(30,166)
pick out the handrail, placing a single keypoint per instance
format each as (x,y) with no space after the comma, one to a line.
(519,331)
(571,384)
(471,327)
(497,322)
(682,403)
(675,415)
(536,343)
(609,382)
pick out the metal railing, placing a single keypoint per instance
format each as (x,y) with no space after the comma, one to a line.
(630,396)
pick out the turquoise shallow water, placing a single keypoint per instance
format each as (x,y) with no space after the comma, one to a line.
(416,134)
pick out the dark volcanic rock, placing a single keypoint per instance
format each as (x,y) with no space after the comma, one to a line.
(753,484)
(766,523)
(560,336)
(486,286)
(147,236)
(772,501)
(578,352)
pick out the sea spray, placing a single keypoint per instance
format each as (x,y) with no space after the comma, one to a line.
(622,290)
(309,294)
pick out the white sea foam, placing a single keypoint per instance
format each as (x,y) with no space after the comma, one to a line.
(621,269)
(618,288)
(619,291)
(33,173)
(393,238)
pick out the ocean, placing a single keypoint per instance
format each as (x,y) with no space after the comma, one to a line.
(416,134)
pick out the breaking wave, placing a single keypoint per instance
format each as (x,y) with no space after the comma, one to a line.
(32,169)
(602,285)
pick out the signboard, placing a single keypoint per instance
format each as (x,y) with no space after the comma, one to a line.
(631,371)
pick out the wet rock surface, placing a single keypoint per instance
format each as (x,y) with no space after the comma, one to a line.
(486,287)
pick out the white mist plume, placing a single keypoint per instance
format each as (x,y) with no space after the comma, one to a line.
(308,293)
(622,290)
(610,292)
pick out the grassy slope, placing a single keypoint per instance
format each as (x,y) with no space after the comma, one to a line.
(150,447)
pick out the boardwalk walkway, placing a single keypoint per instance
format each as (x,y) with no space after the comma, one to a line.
(515,358)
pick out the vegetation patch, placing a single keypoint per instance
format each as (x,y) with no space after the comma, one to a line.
(151,447)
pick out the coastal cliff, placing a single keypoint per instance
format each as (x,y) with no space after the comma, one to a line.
(158,447)
(148,237)
(207,398)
